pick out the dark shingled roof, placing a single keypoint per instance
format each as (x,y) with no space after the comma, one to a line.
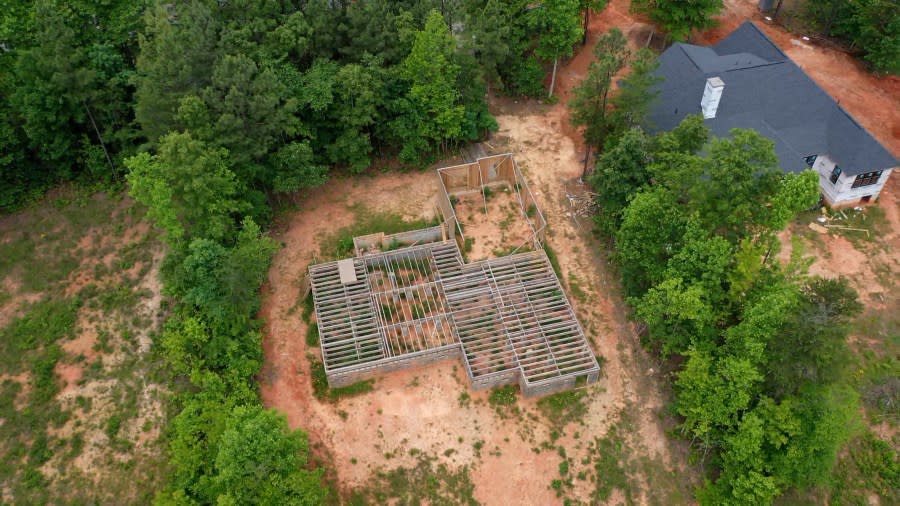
(765,91)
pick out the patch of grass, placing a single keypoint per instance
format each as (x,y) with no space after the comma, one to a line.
(423,483)
(503,396)
(325,393)
(608,455)
(340,243)
(465,400)
(43,323)
(488,192)
(871,223)
(565,407)
(554,260)
(869,467)
(312,335)
(309,307)
(576,290)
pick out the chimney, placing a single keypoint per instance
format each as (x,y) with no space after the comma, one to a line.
(712,93)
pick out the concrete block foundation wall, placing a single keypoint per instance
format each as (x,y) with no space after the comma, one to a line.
(342,379)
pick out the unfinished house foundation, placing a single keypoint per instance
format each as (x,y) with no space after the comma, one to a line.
(411,299)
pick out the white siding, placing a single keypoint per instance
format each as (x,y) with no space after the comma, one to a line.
(840,192)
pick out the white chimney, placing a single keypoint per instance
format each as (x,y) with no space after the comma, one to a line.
(712,93)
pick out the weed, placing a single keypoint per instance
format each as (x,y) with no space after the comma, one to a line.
(576,290)
(465,400)
(340,243)
(554,260)
(422,483)
(324,393)
(312,335)
(503,396)
(43,323)
(564,407)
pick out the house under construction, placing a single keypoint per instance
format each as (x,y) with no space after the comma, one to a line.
(409,299)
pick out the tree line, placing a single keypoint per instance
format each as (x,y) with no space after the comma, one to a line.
(287,89)
(869,27)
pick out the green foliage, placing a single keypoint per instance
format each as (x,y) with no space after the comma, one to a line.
(324,392)
(565,407)
(679,18)
(558,25)
(590,104)
(503,396)
(870,466)
(431,115)
(312,335)
(187,187)
(260,461)
(871,26)
(619,174)
(67,99)
(762,389)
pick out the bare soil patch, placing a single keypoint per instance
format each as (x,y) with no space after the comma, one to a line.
(496,226)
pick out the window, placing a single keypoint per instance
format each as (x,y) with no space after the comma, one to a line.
(835,174)
(811,160)
(869,178)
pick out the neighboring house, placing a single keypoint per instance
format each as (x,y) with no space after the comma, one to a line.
(745,81)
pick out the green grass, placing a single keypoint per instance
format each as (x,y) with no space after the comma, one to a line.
(44,246)
(312,335)
(609,460)
(562,408)
(503,396)
(869,466)
(576,290)
(554,260)
(425,482)
(340,243)
(43,323)
(325,393)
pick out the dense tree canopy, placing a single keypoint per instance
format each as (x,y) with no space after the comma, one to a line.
(678,18)
(761,389)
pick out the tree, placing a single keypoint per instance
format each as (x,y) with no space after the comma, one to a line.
(590,105)
(176,59)
(558,26)
(430,115)
(678,18)
(587,6)
(620,173)
(260,461)
(651,232)
(187,187)
(635,93)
